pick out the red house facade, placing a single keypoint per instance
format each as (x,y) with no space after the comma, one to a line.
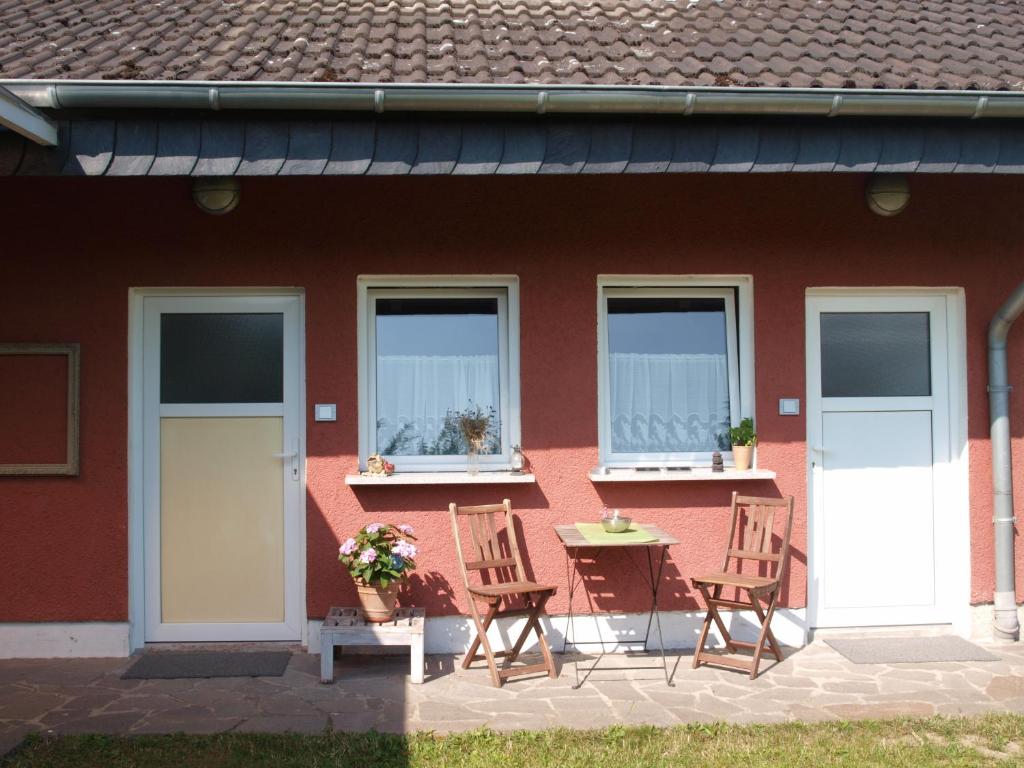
(614,273)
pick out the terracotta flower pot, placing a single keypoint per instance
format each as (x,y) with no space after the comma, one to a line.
(378,603)
(742,455)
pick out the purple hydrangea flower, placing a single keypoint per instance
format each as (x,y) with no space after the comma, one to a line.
(374,527)
(368,555)
(404,549)
(348,547)
(406,529)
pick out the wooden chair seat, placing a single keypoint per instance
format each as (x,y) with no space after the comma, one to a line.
(511,588)
(759,584)
(505,585)
(750,539)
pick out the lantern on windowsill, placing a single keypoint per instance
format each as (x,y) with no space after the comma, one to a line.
(518,460)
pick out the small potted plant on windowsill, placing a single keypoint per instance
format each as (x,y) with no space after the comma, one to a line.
(743,440)
(378,558)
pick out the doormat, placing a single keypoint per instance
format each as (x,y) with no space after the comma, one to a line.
(171,665)
(909,650)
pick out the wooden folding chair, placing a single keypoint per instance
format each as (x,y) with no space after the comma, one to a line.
(750,539)
(502,576)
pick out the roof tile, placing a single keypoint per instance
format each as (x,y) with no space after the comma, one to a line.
(962,44)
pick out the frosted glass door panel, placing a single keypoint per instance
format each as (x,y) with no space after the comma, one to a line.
(875,354)
(221,358)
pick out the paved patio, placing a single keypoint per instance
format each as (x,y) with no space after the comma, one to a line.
(813,683)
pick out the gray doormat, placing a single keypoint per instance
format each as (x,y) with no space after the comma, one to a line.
(170,665)
(909,650)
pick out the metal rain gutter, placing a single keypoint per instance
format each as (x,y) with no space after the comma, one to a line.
(29,122)
(535,99)
(1006,625)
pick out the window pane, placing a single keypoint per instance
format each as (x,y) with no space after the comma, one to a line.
(875,354)
(669,375)
(437,363)
(221,358)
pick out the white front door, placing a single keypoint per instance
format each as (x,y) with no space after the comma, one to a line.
(222,474)
(883,516)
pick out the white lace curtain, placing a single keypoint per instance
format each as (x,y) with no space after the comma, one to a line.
(668,403)
(415,392)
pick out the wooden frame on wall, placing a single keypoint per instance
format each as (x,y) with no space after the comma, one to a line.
(72,353)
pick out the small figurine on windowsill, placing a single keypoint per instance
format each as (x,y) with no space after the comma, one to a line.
(378,466)
(717,465)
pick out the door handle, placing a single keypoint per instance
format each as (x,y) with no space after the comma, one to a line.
(293,457)
(817,449)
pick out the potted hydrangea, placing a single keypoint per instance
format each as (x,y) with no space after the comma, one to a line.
(378,558)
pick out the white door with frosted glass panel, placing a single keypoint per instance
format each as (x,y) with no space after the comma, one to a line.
(222,470)
(881,519)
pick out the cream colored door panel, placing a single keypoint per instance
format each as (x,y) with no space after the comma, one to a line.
(222,521)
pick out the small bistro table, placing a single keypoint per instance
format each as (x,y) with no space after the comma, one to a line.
(346,626)
(576,545)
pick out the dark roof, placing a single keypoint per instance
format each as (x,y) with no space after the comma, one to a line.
(947,44)
(147,145)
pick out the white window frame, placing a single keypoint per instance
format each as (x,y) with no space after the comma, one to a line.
(737,290)
(505,289)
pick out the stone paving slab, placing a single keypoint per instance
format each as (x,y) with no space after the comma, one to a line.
(812,683)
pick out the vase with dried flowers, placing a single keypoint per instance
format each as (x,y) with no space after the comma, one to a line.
(475,426)
(379,558)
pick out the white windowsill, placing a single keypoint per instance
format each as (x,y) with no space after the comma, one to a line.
(630,475)
(441,478)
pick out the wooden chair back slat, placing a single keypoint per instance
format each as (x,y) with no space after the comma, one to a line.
(478,565)
(746,554)
(751,533)
(487,556)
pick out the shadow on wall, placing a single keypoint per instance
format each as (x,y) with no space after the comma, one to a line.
(702,527)
(436,499)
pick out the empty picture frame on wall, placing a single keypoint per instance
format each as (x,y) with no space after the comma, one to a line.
(39,409)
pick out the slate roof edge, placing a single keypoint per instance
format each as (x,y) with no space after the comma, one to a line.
(499,98)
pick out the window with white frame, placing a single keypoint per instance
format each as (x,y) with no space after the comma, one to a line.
(437,353)
(669,371)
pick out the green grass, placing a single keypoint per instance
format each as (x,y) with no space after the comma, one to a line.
(990,740)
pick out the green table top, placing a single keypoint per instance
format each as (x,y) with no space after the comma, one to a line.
(595,533)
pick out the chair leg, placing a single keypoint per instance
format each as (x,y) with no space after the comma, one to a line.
(765,633)
(533,606)
(704,629)
(766,620)
(475,645)
(481,633)
(541,639)
(713,605)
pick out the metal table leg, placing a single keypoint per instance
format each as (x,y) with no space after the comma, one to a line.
(653,580)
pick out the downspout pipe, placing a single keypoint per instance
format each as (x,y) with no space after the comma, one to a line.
(1006,624)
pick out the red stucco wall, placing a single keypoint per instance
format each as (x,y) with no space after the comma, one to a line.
(72,248)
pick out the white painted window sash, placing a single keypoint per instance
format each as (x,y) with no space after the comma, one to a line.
(505,291)
(733,291)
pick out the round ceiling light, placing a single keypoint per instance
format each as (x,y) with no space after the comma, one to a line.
(888,193)
(217,195)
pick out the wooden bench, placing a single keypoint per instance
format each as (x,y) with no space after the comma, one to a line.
(346,626)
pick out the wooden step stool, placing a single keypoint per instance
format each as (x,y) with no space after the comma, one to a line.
(346,626)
